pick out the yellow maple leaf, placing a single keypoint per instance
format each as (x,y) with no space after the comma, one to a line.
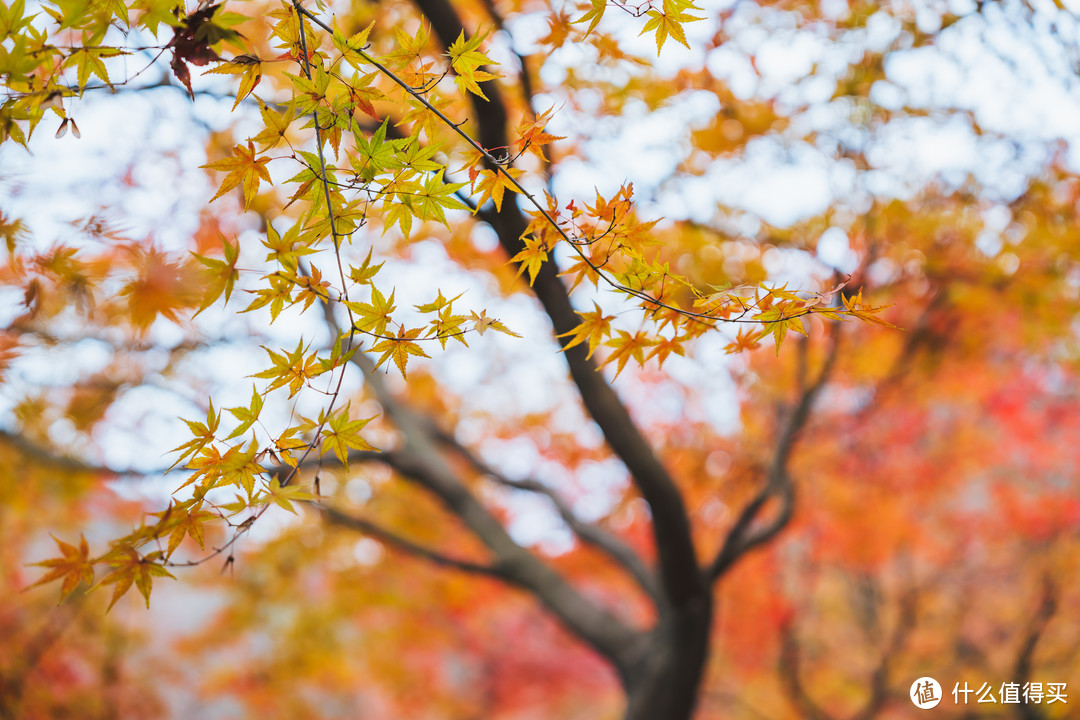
(248,67)
(400,348)
(243,167)
(492,184)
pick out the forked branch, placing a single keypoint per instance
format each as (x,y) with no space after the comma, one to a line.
(744,535)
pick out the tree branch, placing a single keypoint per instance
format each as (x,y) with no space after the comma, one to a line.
(47,456)
(589,533)
(791,680)
(1025,658)
(342,519)
(743,536)
(879,682)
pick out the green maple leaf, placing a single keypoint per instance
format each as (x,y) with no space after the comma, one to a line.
(437,195)
(247,416)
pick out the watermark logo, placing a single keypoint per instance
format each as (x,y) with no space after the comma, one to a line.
(925,693)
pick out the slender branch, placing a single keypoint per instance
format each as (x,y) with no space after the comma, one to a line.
(879,681)
(350,338)
(45,455)
(343,519)
(743,536)
(589,533)
(790,661)
(1025,658)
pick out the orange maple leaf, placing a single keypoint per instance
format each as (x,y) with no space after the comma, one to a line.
(73,566)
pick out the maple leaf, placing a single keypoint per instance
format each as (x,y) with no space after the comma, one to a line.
(287,441)
(866,313)
(532,257)
(481,323)
(664,347)
(339,434)
(73,566)
(276,296)
(249,67)
(492,184)
(594,15)
(292,369)
(222,274)
(154,13)
(275,125)
(88,61)
(746,339)
(399,348)
(466,59)
(437,304)
(283,248)
(160,287)
(582,269)
(131,568)
(778,319)
(628,346)
(351,48)
(12,230)
(437,195)
(446,326)
(284,496)
(364,274)
(189,523)
(375,316)
(594,327)
(191,42)
(376,154)
(310,287)
(243,167)
(237,466)
(670,21)
(247,416)
(203,434)
(531,135)
(13,18)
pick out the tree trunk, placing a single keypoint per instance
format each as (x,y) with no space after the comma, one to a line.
(664,682)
